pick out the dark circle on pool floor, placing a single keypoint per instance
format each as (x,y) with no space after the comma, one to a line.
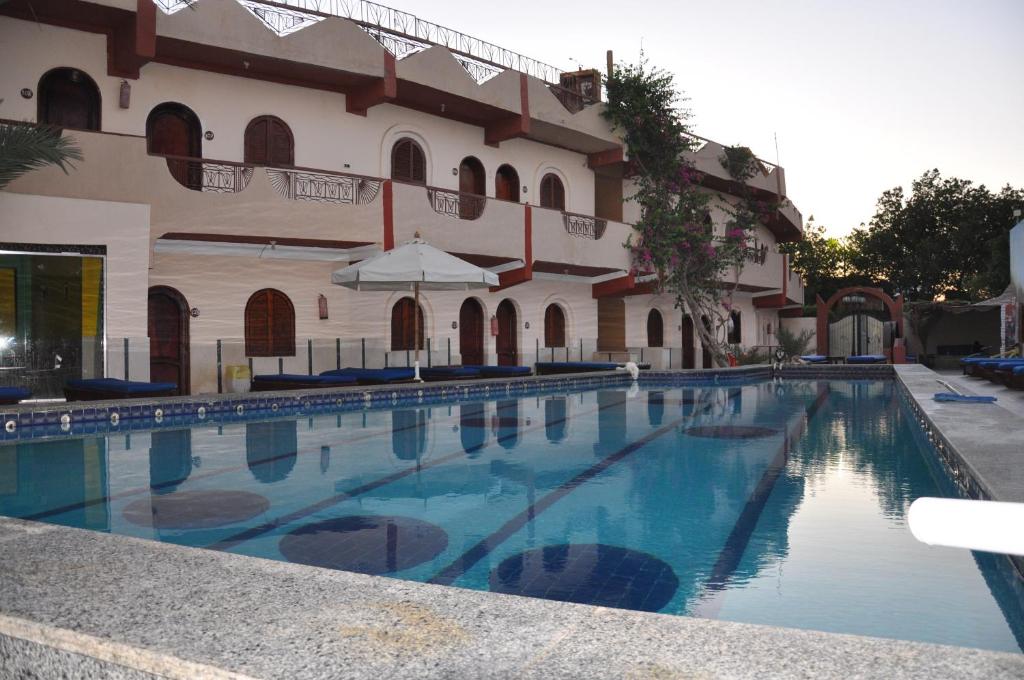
(604,575)
(195,509)
(368,544)
(730,431)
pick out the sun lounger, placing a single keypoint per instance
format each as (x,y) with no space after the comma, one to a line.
(95,389)
(963,398)
(814,358)
(375,376)
(12,395)
(502,371)
(435,373)
(290,381)
(553,367)
(866,359)
(988,368)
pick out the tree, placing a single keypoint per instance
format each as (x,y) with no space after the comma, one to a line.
(940,240)
(824,263)
(25,147)
(674,235)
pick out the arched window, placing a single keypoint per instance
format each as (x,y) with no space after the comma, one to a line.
(552,193)
(68,97)
(269,324)
(173,130)
(403,317)
(269,141)
(735,334)
(408,163)
(554,326)
(471,176)
(655,329)
(506,184)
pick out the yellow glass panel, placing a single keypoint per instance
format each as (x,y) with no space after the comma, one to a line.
(8,303)
(92,279)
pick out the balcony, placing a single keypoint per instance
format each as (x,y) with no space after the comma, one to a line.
(201,174)
(575,239)
(456,204)
(322,186)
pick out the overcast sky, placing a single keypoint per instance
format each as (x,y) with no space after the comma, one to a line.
(864,95)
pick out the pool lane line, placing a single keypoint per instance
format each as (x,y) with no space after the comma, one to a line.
(482,549)
(128,493)
(266,527)
(736,543)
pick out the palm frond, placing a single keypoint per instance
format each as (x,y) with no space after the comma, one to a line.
(25,147)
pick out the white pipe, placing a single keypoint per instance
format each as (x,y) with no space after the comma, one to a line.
(989,526)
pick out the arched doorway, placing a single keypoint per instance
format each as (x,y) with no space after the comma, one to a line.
(173,130)
(655,329)
(688,354)
(506,184)
(554,326)
(168,317)
(471,181)
(269,141)
(508,326)
(705,353)
(471,333)
(894,308)
(403,332)
(69,98)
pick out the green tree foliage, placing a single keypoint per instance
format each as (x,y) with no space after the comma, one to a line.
(674,237)
(25,147)
(948,238)
(824,263)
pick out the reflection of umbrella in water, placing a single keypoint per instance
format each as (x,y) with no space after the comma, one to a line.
(413,266)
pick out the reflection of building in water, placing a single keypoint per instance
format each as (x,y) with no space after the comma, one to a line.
(611,421)
(472,428)
(170,459)
(508,423)
(655,408)
(271,449)
(554,419)
(409,433)
(49,476)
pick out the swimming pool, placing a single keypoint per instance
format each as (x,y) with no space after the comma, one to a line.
(780,503)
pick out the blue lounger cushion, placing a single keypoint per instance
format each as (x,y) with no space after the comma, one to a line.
(964,398)
(866,359)
(574,366)
(448,372)
(502,371)
(375,375)
(124,387)
(814,358)
(1018,370)
(325,380)
(12,395)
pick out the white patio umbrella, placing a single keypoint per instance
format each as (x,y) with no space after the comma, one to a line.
(413,266)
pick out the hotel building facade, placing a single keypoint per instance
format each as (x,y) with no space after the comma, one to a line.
(237,152)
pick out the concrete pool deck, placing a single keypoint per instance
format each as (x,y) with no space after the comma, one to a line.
(77,603)
(86,604)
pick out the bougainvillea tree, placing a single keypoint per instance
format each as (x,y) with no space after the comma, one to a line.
(675,239)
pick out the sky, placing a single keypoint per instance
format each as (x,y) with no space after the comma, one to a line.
(862,95)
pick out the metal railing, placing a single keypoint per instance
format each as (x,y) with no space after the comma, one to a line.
(584,226)
(202,174)
(401,33)
(572,100)
(456,204)
(319,186)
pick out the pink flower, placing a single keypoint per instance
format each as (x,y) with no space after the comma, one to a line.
(736,233)
(710,249)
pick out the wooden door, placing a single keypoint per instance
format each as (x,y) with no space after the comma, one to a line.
(168,338)
(403,332)
(611,324)
(471,333)
(269,141)
(69,98)
(506,184)
(173,130)
(688,352)
(508,325)
(554,326)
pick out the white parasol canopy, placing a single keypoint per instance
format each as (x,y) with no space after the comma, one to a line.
(412,266)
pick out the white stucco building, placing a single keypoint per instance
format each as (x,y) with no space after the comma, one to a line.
(233,158)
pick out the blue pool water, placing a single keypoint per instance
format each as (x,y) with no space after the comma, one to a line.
(781,503)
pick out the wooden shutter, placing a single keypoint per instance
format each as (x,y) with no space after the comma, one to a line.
(68,98)
(269,141)
(408,164)
(552,193)
(554,326)
(269,325)
(402,319)
(655,329)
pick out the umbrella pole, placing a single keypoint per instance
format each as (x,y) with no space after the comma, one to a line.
(416,329)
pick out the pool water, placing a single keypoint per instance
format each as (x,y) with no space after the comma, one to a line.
(782,503)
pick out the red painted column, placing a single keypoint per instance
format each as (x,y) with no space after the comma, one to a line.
(389,215)
(528,239)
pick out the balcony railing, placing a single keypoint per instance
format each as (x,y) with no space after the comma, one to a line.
(318,186)
(456,204)
(572,100)
(201,174)
(584,226)
(757,254)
